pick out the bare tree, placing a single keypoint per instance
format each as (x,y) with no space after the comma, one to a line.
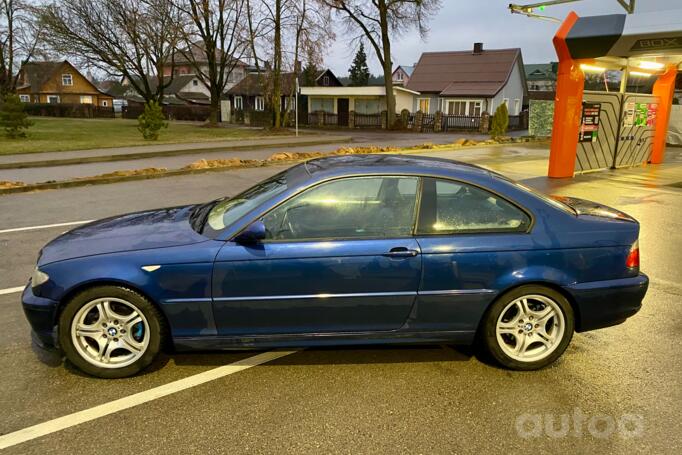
(376,21)
(20,35)
(134,39)
(284,31)
(215,41)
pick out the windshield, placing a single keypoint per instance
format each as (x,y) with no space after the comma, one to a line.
(211,218)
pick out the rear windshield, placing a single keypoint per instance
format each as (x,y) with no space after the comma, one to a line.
(548,199)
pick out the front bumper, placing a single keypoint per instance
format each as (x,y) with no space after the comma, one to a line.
(606,303)
(41,314)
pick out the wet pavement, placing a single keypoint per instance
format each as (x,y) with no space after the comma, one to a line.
(413,399)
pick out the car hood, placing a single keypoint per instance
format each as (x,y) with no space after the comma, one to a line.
(134,231)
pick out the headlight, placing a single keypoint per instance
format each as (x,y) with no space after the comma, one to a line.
(38,278)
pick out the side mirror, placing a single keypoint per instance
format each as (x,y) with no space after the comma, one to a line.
(254,233)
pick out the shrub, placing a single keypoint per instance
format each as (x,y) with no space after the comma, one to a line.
(151,121)
(13,117)
(499,121)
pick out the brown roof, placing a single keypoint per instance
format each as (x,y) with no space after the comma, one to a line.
(37,73)
(252,84)
(463,73)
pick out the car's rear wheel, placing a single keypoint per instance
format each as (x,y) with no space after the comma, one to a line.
(528,327)
(110,331)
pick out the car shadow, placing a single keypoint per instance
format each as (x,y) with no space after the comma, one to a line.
(340,355)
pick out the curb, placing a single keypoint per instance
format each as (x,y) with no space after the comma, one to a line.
(178,172)
(164,153)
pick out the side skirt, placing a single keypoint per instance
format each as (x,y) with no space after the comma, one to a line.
(211,343)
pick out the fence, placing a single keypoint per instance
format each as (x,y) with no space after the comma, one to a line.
(461,122)
(367,120)
(68,110)
(171,112)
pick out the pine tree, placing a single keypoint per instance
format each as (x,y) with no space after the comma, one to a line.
(359,72)
(150,122)
(13,118)
(310,72)
(499,121)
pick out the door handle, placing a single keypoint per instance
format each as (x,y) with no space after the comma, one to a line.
(401,252)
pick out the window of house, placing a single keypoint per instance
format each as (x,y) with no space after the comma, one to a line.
(260,103)
(505,101)
(325,81)
(105,103)
(322,104)
(475,108)
(358,207)
(195,82)
(238,103)
(517,106)
(457,108)
(424,105)
(86,99)
(53,99)
(455,207)
(25,98)
(67,79)
(367,106)
(399,76)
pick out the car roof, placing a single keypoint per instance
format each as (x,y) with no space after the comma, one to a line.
(390,163)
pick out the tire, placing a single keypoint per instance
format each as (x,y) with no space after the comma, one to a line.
(528,336)
(110,331)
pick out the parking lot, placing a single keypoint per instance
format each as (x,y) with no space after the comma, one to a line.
(620,388)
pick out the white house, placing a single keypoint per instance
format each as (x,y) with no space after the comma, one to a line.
(362,100)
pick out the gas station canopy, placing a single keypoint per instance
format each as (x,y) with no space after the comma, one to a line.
(639,45)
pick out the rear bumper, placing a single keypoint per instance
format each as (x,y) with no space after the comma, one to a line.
(606,303)
(40,313)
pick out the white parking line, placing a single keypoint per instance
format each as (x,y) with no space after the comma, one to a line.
(11,290)
(44,226)
(121,404)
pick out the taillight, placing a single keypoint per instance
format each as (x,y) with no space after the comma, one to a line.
(633,256)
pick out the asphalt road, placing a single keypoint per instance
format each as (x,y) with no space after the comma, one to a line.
(415,399)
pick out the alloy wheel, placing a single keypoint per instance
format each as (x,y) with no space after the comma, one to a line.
(530,328)
(110,332)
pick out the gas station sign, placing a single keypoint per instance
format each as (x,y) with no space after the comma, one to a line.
(589,123)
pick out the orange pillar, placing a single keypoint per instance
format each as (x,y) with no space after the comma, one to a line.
(567,106)
(664,88)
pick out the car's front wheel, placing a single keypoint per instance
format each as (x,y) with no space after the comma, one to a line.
(110,331)
(528,327)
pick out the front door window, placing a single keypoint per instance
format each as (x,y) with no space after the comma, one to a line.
(366,207)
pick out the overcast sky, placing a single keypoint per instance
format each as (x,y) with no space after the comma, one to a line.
(462,22)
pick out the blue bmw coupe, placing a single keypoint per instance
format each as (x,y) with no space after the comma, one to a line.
(341,250)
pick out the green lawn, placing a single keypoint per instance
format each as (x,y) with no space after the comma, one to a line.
(61,134)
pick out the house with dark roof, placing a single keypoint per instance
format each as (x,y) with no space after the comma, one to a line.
(58,82)
(469,82)
(254,92)
(183,89)
(541,76)
(401,75)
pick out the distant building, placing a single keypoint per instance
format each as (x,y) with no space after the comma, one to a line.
(182,64)
(401,75)
(541,76)
(58,82)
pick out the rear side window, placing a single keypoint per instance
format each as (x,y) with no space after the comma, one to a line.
(361,207)
(455,207)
